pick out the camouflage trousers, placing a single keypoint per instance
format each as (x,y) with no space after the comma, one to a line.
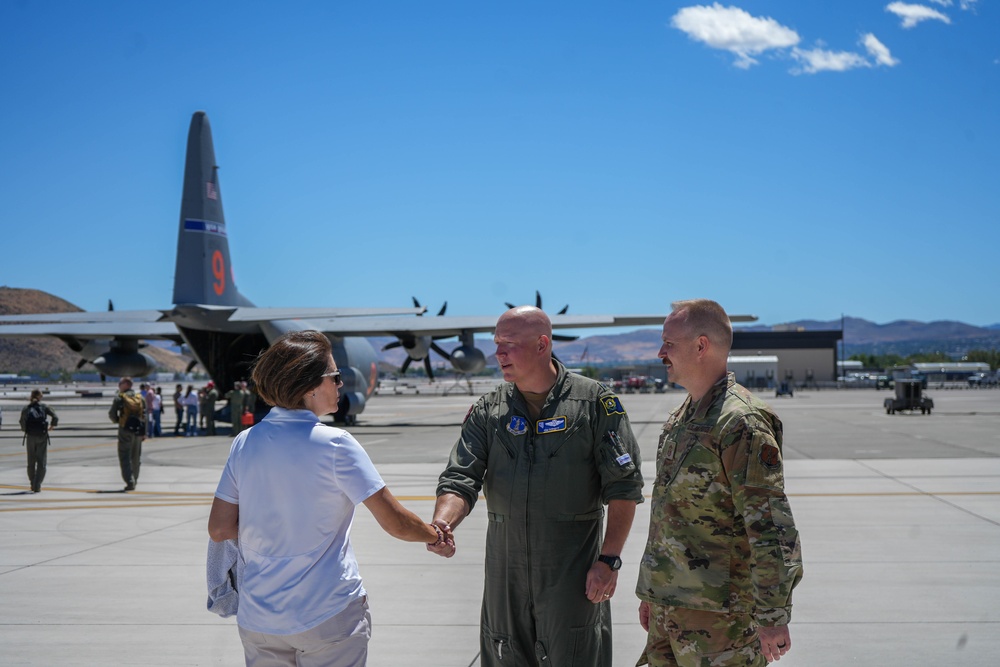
(680,637)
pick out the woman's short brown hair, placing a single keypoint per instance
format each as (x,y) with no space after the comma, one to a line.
(292,366)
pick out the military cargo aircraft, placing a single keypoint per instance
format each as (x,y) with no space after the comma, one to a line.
(225,331)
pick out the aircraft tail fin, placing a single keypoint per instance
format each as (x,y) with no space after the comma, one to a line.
(203,273)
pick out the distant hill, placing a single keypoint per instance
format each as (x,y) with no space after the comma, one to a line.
(905,337)
(48,355)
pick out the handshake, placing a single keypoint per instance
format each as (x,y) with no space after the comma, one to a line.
(445,545)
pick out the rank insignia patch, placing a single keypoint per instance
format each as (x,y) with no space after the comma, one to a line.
(550,425)
(613,406)
(518,425)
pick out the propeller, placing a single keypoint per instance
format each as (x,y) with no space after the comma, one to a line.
(538,304)
(418,347)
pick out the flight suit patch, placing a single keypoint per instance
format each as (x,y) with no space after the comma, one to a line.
(518,425)
(612,406)
(552,425)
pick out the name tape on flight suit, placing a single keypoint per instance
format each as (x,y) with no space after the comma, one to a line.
(550,425)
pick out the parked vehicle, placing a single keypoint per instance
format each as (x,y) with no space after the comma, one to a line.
(982,380)
(908,397)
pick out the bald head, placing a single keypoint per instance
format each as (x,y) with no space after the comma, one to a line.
(528,320)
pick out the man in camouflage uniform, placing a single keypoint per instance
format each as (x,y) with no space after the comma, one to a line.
(235,398)
(129,439)
(723,553)
(548,449)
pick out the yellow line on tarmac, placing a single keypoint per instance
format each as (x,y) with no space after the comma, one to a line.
(63,489)
(895,493)
(51,449)
(107,506)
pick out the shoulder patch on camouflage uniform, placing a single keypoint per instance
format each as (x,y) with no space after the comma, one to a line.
(770,456)
(612,406)
(764,464)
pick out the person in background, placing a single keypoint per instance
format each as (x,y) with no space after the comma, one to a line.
(178,408)
(235,398)
(128,410)
(211,396)
(191,401)
(36,426)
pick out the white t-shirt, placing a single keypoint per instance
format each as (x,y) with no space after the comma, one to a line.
(296,482)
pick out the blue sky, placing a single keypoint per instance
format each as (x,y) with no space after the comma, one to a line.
(796,160)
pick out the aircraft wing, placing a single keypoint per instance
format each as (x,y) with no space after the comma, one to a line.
(244,314)
(447,325)
(92,330)
(78,317)
(237,314)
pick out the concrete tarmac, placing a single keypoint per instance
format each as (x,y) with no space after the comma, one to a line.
(899,518)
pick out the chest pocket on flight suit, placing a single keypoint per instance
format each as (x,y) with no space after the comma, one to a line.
(504,450)
(569,472)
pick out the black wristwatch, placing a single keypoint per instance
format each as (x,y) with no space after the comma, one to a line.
(614,562)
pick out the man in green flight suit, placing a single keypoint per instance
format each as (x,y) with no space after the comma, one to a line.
(549,449)
(723,554)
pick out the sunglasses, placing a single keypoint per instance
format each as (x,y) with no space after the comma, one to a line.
(334,375)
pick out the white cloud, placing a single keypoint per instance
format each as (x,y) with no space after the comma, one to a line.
(914,14)
(821,60)
(968,4)
(878,51)
(943,3)
(734,30)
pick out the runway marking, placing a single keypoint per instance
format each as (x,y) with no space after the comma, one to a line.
(100,507)
(52,449)
(64,489)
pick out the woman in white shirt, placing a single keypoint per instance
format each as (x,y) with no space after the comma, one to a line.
(288,492)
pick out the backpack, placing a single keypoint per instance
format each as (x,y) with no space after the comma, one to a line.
(130,417)
(37,422)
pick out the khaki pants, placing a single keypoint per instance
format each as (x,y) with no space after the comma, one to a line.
(341,641)
(129,455)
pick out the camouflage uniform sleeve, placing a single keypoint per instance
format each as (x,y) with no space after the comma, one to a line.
(616,452)
(752,455)
(466,468)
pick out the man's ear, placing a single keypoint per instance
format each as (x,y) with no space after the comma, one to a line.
(544,343)
(704,345)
